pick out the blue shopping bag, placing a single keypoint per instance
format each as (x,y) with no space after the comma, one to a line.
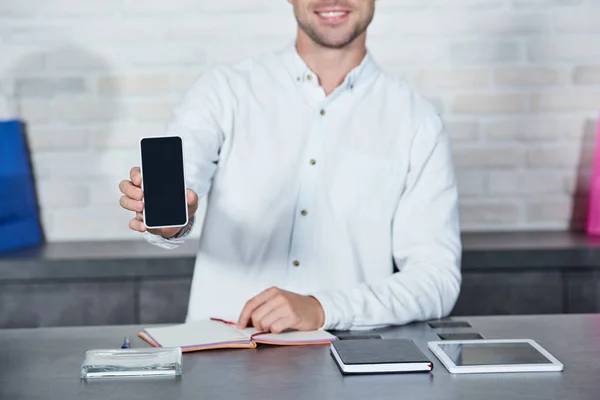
(19,218)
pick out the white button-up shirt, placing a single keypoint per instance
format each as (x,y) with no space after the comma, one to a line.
(350,197)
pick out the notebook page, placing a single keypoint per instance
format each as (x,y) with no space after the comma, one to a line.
(295,337)
(198,333)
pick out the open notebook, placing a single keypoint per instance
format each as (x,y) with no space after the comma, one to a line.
(217,334)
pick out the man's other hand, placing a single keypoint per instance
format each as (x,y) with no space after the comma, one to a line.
(276,310)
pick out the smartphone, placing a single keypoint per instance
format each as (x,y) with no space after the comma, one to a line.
(163,182)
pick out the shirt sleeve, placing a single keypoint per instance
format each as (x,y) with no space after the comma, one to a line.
(197,120)
(426,248)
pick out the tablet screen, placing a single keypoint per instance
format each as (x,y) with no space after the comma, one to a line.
(493,354)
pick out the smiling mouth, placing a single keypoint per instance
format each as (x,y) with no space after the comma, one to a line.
(333,16)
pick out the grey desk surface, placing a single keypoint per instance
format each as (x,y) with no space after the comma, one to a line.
(44,364)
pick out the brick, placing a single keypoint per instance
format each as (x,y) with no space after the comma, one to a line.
(33,110)
(416,52)
(106,222)
(525,182)
(244,6)
(479,213)
(232,50)
(504,156)
(8,106)
(175,54)
(61,194)
(534,129)
(587,75)
(155,111)
(470,183)
(547,211)
(207,26)
(502,103)
(452,79)
(580,21)
(133,31)
(566,101)
(33,35)
(543,4)
(530,76)
(469,4)
(21,59)
(42,138)
(567,49)
(484,53)
(432,23)
(75,8)
(554,156)
(467,131)
(72,58)
(81,166)
(183,81)
(140,85)
(123,136)
(61,165)
(49,87)
(133,8)
(80,109)
(106,191)
(115,163)
(16,9)
(160,7)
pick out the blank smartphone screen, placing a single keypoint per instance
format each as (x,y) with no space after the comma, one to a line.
(163,181)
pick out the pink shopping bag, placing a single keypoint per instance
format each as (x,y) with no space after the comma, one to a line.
(593,222)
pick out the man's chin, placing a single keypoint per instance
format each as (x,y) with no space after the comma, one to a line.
(334,43)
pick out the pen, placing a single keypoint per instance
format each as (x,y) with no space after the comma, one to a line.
(125,344)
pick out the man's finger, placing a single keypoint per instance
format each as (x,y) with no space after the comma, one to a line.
(131,204)
(139,216)
(136,225)
(192,198)
(253,304)
(281,325)
(267,321)
(130,190)
(136,176)
(267,308)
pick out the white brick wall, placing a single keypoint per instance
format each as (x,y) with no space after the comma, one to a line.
(517,81)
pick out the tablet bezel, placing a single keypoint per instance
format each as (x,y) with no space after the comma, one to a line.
(553,366)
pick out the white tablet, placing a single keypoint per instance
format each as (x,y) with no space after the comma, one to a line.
(484,356)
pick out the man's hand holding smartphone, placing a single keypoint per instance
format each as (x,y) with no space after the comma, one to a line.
(132,200)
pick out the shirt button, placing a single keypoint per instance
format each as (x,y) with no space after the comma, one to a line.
(322,112)
(296,263)
(313,161)
(309,77)
(304,213)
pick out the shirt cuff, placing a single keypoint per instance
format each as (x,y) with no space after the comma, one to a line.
(173,242)
(336,318)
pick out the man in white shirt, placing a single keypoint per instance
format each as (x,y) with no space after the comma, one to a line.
(332,200)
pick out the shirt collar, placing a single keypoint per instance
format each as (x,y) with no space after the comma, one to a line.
(302,73)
